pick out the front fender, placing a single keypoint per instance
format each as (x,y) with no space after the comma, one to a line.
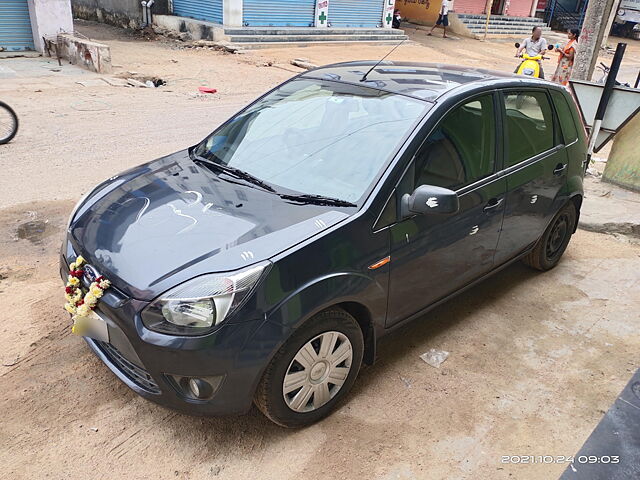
(330,290)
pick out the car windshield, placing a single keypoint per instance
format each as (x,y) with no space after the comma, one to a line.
(314,137)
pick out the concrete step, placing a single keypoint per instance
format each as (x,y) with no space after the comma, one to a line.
(528,26)
(242,39)
(311,31)
(258,45)
(500,28)
(515,33)
(505,26)
(469,16)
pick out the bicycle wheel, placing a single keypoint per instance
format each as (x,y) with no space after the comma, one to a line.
(8,123)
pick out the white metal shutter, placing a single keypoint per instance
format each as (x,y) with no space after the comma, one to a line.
(209,10)
(355,13)
(15,26)
(279,13)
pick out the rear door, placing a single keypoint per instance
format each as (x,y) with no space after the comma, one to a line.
(434,255)
(535,166)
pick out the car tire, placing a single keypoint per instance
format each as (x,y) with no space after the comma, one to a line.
(553,243)
(336,339)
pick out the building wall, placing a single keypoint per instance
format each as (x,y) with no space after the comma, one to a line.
(121,13)
(426,11)
(469,6)
(518,8)
(623,165)
(420,11)
(49,17)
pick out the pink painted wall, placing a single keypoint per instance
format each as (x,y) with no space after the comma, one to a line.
(468,6)
(519,8)
(514,8)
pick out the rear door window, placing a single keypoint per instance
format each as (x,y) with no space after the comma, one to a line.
(567,122)
(528,125)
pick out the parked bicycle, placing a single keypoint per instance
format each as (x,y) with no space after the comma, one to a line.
(605,73)
(8,123)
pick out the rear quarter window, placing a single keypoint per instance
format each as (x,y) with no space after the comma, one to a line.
(567,120)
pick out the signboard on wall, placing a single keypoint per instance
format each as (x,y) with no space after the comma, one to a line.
(322,13)
(387,13)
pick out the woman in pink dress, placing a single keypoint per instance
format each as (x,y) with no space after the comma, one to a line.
(567,56)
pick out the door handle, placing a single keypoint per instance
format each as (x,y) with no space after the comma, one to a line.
(561,167)
(493,204)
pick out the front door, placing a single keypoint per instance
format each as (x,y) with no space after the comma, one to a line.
(434,255)
(535,169)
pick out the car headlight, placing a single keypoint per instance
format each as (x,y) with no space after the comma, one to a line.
(199,304)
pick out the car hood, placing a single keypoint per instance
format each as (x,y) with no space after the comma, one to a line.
(170,220)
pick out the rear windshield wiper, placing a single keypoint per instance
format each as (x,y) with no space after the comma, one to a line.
(236,172)
(318,200)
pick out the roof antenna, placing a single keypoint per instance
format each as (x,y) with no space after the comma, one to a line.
(364,77)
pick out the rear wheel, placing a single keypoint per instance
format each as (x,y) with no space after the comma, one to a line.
(312,371)
(554,241)
(8,123)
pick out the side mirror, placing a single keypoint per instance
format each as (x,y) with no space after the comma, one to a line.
(429,199)
(517,45)
(550,47)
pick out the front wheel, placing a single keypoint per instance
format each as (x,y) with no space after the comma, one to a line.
(8,123)
(549,249)
(312,371)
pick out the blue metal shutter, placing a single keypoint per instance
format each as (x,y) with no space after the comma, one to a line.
(279,13)
(209,10)
(15,26)
(355,13)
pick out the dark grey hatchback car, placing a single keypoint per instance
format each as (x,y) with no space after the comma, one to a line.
(262,264)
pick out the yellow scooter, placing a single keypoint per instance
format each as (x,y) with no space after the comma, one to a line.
(531,65)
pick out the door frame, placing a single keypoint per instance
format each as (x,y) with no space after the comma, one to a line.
(500,143)
(499,7)
(558,138)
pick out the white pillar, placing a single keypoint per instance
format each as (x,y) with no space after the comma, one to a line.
(534,7)
(232,13)
(387,13)
(49,17)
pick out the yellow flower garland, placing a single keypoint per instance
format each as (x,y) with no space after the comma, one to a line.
(80,303)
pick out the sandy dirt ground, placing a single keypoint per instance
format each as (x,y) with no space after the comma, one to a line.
(536,359)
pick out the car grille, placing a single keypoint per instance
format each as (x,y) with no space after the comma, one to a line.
(136,374)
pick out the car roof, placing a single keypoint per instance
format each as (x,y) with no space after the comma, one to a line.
(426,81)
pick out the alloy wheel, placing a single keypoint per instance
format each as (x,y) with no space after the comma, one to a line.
(317,372)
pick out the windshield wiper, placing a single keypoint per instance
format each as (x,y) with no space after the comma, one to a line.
(318,200)
(236,172)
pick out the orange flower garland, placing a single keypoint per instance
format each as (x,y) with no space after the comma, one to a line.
(79,303)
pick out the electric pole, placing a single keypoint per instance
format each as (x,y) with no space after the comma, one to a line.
(593,31)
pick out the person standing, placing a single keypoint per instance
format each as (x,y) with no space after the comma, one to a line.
(534,46)
(443,18)
(566,58)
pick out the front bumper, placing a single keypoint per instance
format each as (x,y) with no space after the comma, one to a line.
(148,362)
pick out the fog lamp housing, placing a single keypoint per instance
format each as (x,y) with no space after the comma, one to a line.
(196,388)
